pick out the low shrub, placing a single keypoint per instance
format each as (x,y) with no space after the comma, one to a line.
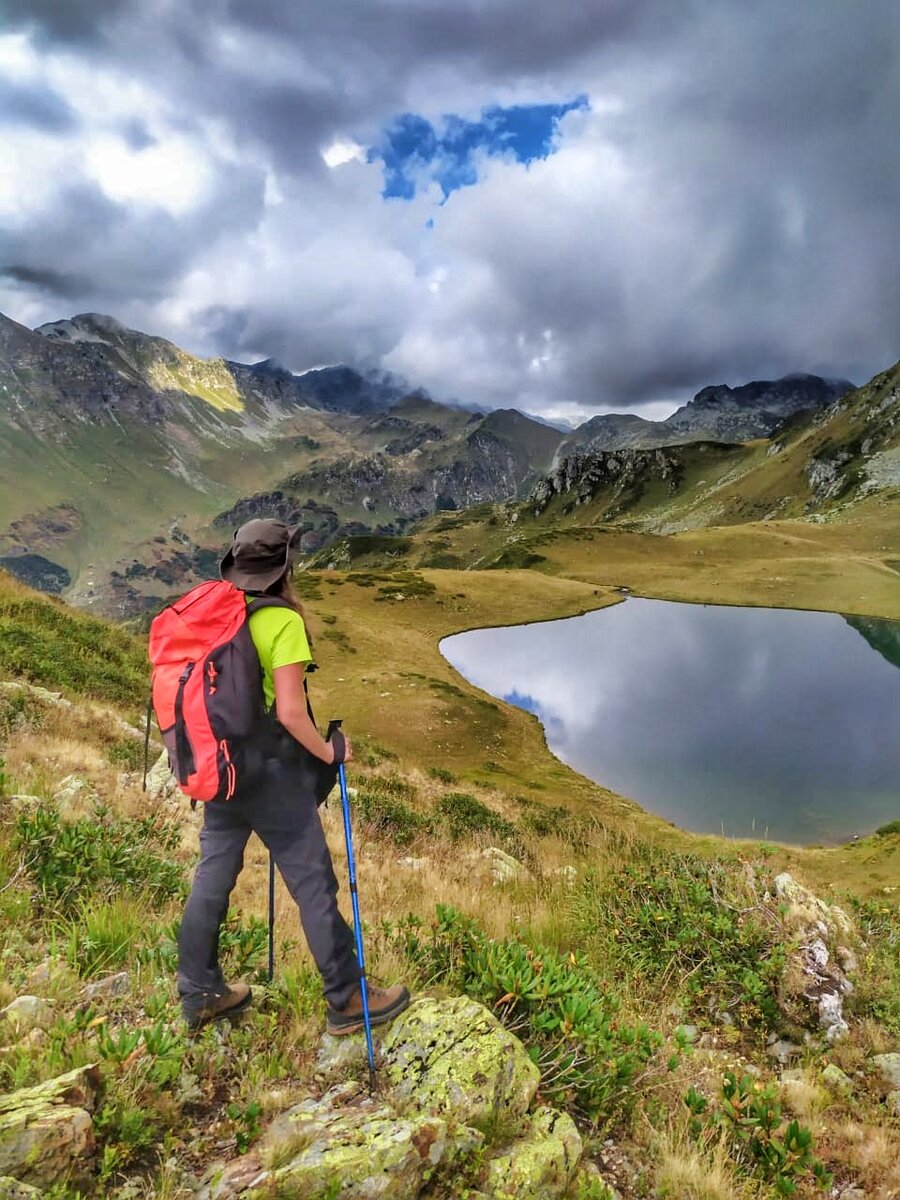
(589,1060)
(98,855)
(385,814)
(103,937)
(776,1151)
(666,916)
(442,774)
(877,987)
(465,816)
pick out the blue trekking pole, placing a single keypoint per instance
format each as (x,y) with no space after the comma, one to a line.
(357,924)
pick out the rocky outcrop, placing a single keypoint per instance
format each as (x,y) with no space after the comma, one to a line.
(816,980)
(616,473)
(452,1082)
(46,1132)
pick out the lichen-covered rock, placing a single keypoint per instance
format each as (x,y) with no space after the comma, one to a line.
(454,1057)
(807,910)
(888,1068)
(13,1189)
(836,1079)
(161,783)
(46,1132)
(28,1012)
(357,1139)
(539,1165)
(504,868)
(815,982)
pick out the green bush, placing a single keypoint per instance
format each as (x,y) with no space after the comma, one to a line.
(892,827)
(103,937)
(379,811)
(442,774)
(777,1151)
(465,816)
(98,855)
(667,916)
(569,1022)
(128,753)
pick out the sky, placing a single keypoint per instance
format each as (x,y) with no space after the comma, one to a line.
(583,207)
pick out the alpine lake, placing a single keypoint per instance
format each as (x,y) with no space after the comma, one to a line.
(771,724)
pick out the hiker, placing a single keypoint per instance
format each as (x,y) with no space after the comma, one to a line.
(278,803)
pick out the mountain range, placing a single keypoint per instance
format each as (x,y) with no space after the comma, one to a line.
(126,461)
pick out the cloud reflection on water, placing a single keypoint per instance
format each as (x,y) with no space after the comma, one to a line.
(778,723)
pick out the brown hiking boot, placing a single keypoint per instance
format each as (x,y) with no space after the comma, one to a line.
(233,1000)
(384,1005)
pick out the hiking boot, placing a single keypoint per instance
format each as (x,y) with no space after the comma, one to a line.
(233,1000)
(384,1005)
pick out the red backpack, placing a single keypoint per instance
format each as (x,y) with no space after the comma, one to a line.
(207,685)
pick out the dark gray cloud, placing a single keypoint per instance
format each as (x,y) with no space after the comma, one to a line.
(38,107)
(727,210)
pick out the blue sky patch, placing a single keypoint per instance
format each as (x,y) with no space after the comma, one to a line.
(415,152)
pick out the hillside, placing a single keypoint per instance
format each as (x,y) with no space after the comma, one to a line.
(649,973)
(118,450)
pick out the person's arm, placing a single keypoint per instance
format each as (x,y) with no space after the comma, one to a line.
(290,708)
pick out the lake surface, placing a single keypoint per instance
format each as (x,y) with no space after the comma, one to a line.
(752,722)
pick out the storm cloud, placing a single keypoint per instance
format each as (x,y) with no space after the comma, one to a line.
(723,206)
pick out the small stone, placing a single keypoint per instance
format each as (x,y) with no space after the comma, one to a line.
(161,783)
(29,1012)
(568,874)
(110,987)
(893,1103)
(793,1075)
(831,1017)
(40,976)
(783,1050)
(413,864)
(888,1068)
(21,800)
(337,1054)
(836,1079)
(688,1032)
(725,1018)
(847,959)
(853,1193)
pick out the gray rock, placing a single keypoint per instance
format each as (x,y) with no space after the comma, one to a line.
(12,1189)
(71,793)
(413,864)
(888,1068)
(836,1079)
(688,1032)
(28,1012)
(853,1193)
(847,959)
(110,987)
(893,1103)
(161,783)
(504,868)
(783,1050)
(567,874)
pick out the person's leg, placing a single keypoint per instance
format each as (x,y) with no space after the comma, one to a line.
(287,821)
(222,841)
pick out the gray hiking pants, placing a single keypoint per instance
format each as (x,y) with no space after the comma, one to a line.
(281,811)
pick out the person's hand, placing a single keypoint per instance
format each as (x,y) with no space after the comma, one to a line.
(348,749)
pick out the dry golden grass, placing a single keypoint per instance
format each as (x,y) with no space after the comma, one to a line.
(684,1171)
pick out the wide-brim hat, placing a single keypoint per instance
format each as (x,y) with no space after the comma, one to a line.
(258,556)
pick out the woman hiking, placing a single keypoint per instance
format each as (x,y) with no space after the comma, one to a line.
(278,804)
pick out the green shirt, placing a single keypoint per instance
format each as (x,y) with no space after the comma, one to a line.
(279,636)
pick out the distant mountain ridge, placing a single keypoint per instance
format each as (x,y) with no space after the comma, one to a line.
(718,413)
(123,457)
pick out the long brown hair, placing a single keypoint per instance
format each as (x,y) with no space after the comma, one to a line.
(283,588)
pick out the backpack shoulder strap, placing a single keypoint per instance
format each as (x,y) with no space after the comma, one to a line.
(261,601)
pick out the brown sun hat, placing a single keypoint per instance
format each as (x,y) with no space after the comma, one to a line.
(258,556)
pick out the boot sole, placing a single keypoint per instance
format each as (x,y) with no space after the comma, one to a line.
(196,1023)
(379,1017)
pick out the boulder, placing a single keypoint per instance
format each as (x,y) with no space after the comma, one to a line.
(72,793)
(836,1079)
(454,1057)
(28,1012)
(504,868)
(46,1132)
(888,1068)
(806,909)
(538,1165)
(12,1189)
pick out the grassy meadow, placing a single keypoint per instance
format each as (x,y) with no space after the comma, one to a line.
(642,966)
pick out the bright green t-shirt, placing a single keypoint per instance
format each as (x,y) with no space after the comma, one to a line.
(279,636)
